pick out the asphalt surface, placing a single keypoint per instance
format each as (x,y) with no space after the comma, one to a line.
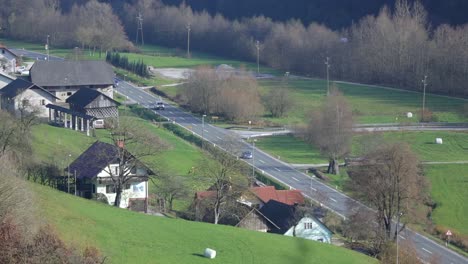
(282,172)
(33,55)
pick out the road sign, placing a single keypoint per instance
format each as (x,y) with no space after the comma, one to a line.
(448,233)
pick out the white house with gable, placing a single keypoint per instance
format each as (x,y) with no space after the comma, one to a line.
(96,169)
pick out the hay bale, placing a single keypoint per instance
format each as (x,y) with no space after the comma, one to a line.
(210,253)
(438,141)
(409,115)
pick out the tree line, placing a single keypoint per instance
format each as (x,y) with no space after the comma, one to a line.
(121,61)
(397,47)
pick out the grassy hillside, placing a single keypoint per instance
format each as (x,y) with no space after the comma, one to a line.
(128,237)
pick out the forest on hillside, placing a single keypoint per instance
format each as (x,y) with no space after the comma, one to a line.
(397,47)
(335,14)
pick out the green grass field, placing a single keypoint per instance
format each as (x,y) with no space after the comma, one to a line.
(449,190)
(294,150)
(370,104)
(128,237)
(290,149)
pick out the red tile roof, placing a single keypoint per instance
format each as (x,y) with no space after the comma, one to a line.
(265,194)
(289,197)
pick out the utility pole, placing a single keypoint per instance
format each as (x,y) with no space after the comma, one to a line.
(188,40)
(47,47)
(253,160)
(139,29)
(327,63)
(257,45)
(203,131)
(424,81)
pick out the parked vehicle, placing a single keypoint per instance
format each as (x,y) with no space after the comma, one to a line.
(98,123)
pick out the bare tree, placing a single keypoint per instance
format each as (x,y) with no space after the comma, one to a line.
(278,100)
(135,145)
(391,181)
(222,171)
(169,188)
(331,129)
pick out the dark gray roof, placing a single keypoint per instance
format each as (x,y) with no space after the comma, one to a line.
(71,73)
(18,86)
(94,160)
(84,96)
(279,213)
(91,162)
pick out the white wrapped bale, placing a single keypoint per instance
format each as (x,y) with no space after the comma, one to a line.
(439,141)
(409,115)
(210,253)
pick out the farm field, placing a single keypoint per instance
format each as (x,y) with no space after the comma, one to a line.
(370,104)
(127,237)
(449,184)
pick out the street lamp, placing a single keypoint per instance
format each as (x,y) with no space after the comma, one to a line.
(253,159)
(424,81)
(47,47)
(203,131)
(257,45)
(250,123)
(327,63)
(188,40)
(396,231)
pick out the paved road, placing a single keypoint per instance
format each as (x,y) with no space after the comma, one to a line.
(329,197)
(34,55)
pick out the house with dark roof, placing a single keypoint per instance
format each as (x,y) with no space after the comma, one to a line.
(8,59)
(64,78)
(20,95)
(96,170)
(256,221)
(94,103)
(5,79)
(291,222)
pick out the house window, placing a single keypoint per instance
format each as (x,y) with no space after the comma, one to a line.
(69,93)
(110,188)
(307,225)
(115,171)
(42,102)
(25,102)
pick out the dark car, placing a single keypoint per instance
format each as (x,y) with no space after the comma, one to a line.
(246,155)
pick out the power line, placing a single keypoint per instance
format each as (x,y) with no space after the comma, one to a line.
(139,29)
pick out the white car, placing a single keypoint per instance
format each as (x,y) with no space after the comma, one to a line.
(20,69)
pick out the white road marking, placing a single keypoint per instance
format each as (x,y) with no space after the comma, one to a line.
(206,131)
(402,237)
(277,169)
(218,137)
(426,250)
(194,124)
(262,161)
(294,179)
(182,118)
(141,97)
(170,112)
(313,189)
(333,200)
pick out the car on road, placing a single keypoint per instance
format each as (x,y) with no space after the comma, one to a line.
(159,106)
(246,155)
